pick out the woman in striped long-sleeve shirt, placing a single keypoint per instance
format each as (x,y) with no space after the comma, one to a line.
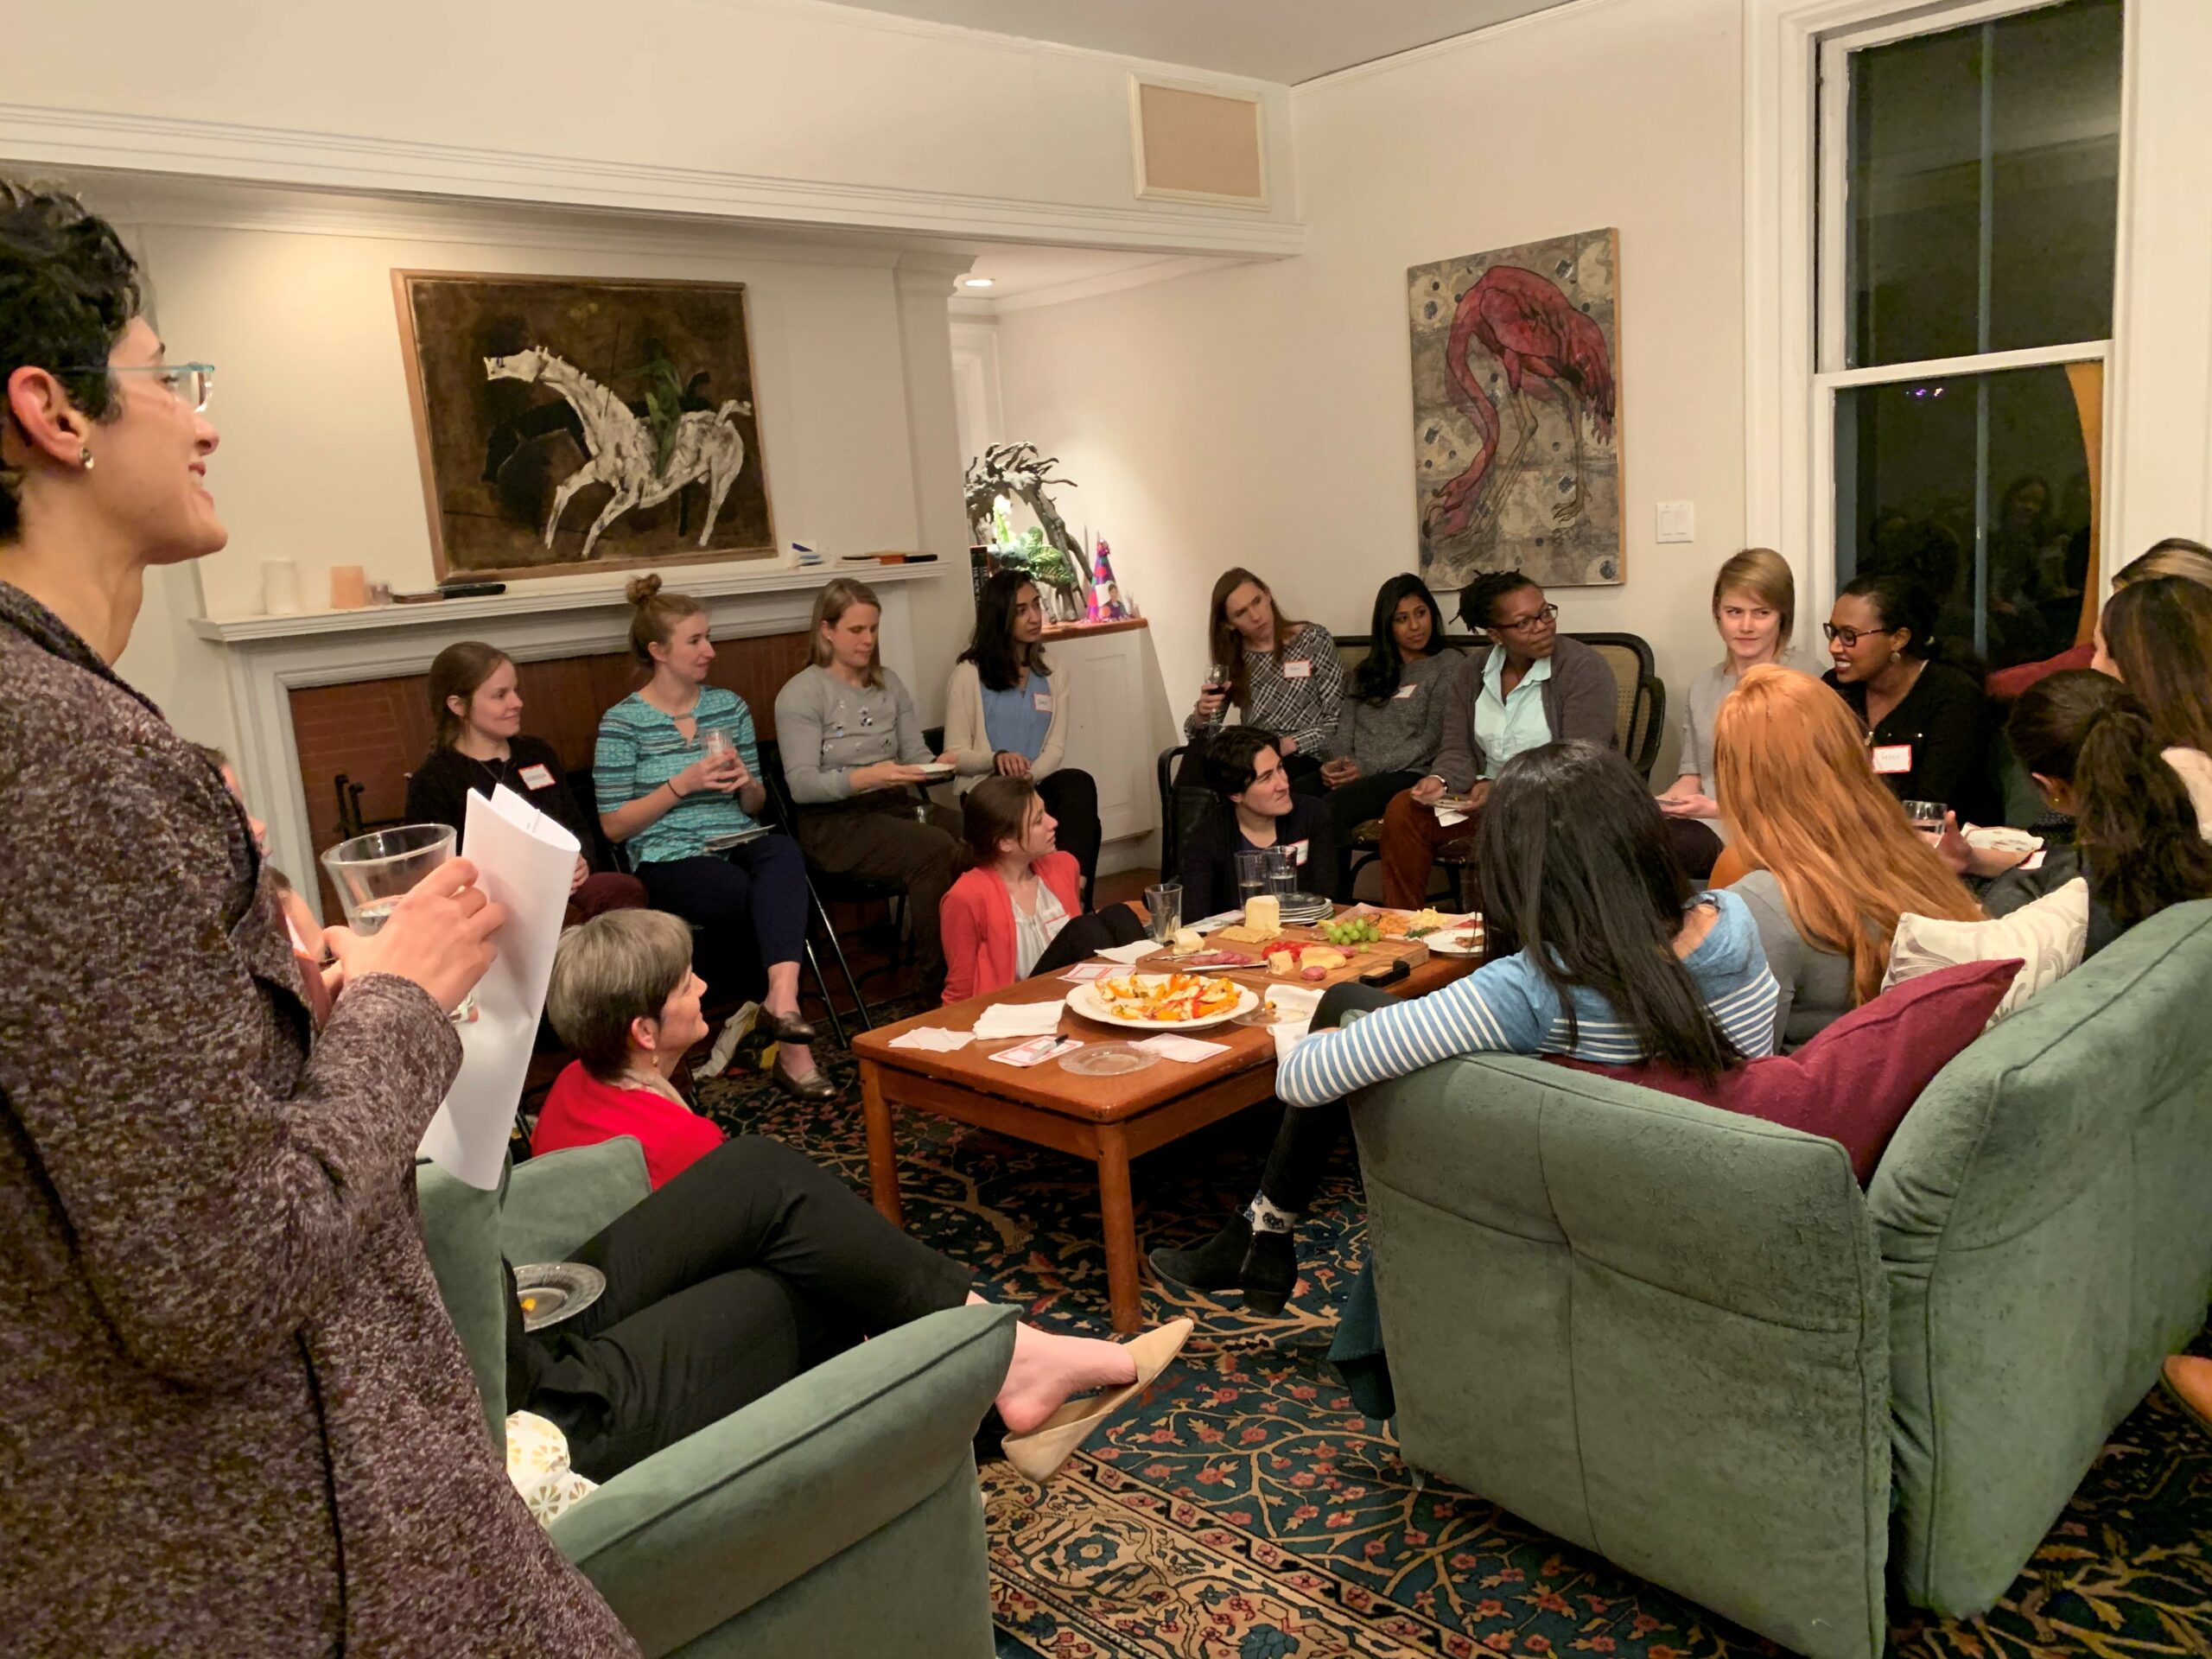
(1597,950)
(1285,676)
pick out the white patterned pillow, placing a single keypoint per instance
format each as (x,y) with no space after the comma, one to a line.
(2049,935)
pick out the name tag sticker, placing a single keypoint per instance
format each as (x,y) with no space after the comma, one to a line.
(1405,691)
(1892,759)
(1298,671)
(1298,851)
(1041,702)
(536,777)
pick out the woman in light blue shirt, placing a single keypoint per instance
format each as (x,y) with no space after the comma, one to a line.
(1597,950)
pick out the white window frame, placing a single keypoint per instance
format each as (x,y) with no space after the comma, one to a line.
(1794,269)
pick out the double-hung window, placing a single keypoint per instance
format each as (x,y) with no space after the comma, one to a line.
(1968,196)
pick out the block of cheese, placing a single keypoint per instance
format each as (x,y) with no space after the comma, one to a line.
(1188,942)
(1263,913)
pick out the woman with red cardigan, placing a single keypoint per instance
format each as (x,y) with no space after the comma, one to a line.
(1014,911)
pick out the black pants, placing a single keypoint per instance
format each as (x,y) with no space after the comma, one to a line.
(1308,1134)
(750,902)
(746,1270)
(1070,795)
(1084,936)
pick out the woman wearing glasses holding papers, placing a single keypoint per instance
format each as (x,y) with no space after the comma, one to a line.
(239,1419)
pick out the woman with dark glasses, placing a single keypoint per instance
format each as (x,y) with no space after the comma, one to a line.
(1924,718)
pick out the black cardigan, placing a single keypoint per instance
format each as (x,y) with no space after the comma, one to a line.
(1209,852)
(1943,720)
(438,791)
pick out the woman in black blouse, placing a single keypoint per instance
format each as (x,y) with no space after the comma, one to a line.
(477,743)
(1926,726)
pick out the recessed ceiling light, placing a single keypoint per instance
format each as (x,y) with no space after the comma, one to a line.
(976,281)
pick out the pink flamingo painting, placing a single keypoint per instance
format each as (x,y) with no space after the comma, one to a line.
(1548,350)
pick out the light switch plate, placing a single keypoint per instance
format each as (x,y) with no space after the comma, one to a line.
(1677,521)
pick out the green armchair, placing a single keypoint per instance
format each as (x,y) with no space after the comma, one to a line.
(1686,1340)
(838,1514)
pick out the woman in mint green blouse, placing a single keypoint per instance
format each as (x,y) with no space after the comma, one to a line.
(676,771)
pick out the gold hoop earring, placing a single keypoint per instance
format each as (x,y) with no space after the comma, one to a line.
(84,457)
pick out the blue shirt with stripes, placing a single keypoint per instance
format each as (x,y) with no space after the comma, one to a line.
(1506,1007)
(639,749)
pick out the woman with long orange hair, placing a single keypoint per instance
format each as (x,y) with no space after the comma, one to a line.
(1834,860)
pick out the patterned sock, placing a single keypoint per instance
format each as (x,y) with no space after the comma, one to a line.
(1267,1218)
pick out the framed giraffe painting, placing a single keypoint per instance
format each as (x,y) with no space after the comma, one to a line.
(1517,413)
(570,423)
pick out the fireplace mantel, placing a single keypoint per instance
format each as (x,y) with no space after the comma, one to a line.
(268,657)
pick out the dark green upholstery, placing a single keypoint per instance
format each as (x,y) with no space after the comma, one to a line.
(1685,1339)
(838,1514)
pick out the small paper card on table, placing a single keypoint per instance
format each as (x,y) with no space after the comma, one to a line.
(1189,1050)
(1083,972)
(1019,1019)
(1127,954)
(1039,1050)
(936,1038)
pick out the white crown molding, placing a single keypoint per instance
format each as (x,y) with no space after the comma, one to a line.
(1085,288)
(48,138)
(1450,45)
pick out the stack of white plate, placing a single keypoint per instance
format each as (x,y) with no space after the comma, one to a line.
(1302,907)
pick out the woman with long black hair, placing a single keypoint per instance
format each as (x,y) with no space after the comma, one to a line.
(1597,950)
(1390,723)
(1005,714)
(2120,815)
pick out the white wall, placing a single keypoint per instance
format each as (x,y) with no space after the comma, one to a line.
(1263,415)
(783,110)
(318,465)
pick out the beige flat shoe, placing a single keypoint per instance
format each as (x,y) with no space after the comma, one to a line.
(1039,1453)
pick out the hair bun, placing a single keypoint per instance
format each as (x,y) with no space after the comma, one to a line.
(642,588)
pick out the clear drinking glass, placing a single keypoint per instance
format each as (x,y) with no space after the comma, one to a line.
(1927,817)
(1165,906)
(1252,874)
(1282,871)
(373,872)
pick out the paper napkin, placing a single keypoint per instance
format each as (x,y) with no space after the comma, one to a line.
(1019,1019)
(934,1039)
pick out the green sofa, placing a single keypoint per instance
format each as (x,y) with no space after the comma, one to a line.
(1686,1340)
(839,1513)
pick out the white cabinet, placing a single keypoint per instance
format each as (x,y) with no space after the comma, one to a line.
(1110,727)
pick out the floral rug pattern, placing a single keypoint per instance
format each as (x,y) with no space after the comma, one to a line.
(1242,1510)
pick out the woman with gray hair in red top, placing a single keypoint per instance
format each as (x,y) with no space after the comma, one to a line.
(238,1418)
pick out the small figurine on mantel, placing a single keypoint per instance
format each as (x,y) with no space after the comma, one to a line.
(1107,602)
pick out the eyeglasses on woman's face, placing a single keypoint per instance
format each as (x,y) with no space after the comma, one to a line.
(190,384)
(1528,624)
(1849,638)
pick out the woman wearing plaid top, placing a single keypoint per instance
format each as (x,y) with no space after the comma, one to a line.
(1284,676)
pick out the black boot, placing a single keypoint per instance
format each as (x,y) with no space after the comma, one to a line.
(1218,1264)
(1262,1265)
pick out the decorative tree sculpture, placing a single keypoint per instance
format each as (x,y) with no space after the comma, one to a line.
(1015,470)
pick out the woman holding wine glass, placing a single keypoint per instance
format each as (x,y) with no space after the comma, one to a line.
(239,1418)
(1284,677)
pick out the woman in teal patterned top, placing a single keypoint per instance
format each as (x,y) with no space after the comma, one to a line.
(677,772)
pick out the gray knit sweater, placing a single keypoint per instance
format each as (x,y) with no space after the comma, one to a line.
(1403,733)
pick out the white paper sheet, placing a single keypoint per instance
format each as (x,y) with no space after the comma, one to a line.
(1127,954)
(1083,972)
(523,862)
(934,1039)
(1019,1019)
(1188,1050)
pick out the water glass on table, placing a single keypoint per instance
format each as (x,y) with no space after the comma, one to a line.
(1252,874)
(1164,905)
(1282,871)
(1927,817)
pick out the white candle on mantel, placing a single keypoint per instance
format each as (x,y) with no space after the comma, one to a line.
(280,587)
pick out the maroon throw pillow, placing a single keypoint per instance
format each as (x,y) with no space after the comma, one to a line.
(1855,1082)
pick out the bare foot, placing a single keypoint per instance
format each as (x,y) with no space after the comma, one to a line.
(1049,1370)
(2187,1375)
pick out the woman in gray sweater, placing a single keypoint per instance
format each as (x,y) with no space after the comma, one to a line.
(854,759)
(1391,721)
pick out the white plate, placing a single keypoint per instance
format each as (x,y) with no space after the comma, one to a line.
(1447,941)
(1086,1000)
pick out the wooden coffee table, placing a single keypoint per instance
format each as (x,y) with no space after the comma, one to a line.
(1106,1120)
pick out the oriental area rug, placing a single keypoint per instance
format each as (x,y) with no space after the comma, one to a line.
(1244,1510)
